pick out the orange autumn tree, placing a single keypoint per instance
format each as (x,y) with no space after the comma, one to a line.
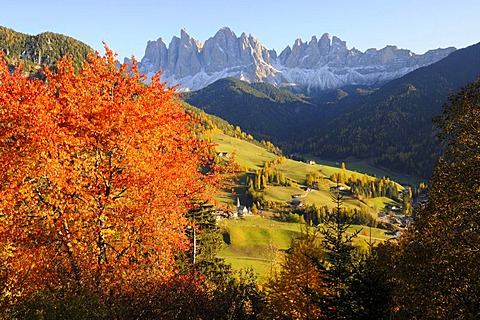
(97,170)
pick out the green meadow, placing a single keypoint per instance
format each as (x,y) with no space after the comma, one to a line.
(259,242)
(359,166)
(252,156)
(247,154)
(322,197)
(379,203)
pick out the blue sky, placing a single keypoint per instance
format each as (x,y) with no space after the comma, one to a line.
(126,26)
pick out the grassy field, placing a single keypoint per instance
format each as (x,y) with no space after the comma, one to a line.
(256,242)
(251,156)
(260,242)
(364,166)
(318,197)
(261,268)
(247,154)
(281,194)
(251,236)
(379,203)
(296,170)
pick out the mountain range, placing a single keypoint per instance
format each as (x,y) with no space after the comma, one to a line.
(391,126)
(320,64)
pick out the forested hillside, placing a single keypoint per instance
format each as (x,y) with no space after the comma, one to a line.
(45,48)
(390,127)
(260,109)
(393,127)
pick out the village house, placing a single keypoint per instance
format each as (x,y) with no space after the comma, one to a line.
(296,203)
(223,154)
(339,188)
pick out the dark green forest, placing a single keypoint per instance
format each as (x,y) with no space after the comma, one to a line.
(260,109)
(393,127)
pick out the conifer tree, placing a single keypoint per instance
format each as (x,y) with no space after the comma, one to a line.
(205,237)
(340,262)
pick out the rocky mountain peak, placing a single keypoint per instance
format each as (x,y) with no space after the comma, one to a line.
(224,35)
(324,63)
(325,38)
(338,44)
(187,56)
(155,57)
(184,34)
(324,44)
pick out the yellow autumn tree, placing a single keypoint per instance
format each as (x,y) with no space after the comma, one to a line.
(293,292)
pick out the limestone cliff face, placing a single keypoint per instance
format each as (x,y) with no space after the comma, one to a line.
(319,64)
(156,56)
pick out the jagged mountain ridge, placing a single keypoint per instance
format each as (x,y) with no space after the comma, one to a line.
(393,126)
(316,65)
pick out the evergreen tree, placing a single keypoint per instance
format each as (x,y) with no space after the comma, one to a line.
(373,284)
(339,263)
(205,238)
(233,295)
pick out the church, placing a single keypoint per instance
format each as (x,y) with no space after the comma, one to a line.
(241,210)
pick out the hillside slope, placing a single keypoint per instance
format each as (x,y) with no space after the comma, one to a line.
(44,48)
(259,108)
(393,126)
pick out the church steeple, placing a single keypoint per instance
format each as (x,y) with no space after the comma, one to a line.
(238,202)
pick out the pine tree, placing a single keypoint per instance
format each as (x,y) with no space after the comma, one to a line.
(373,284)
(205,237)
(339,263)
